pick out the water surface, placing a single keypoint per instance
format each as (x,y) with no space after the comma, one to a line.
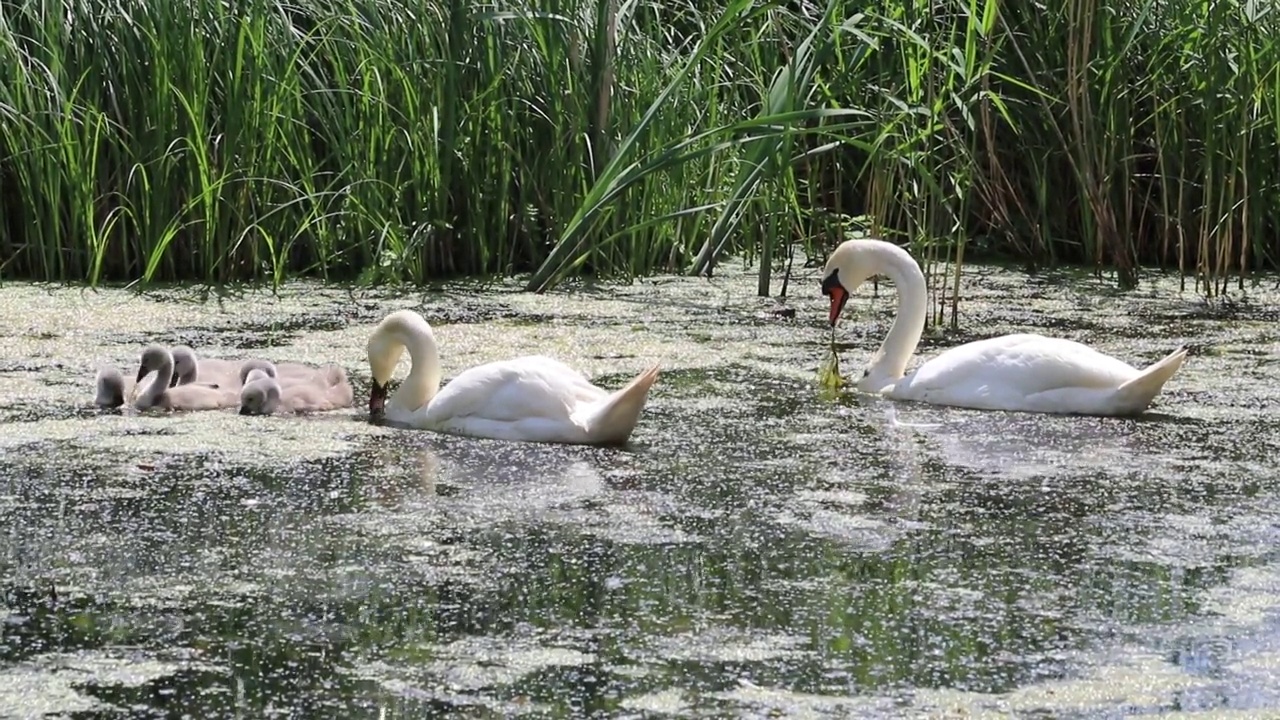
(756,550)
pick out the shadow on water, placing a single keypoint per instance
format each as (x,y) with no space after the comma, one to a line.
(755,550)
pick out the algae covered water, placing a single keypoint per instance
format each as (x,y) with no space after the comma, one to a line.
(759,549)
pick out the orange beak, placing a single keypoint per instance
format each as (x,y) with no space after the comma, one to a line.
(838,298)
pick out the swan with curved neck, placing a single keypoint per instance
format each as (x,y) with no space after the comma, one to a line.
(109,384)
(212,371)
(186,366)
(161,392)
(228,373)
(529,399)
(1020,372)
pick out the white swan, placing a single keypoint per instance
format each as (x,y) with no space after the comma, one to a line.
(531,399)
(1021,372)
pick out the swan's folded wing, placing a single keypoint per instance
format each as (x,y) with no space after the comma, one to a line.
(201,397)
(1022,364)
(565,379)
(306,398)
(512,390)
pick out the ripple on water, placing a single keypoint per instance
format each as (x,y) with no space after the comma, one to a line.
(53,684)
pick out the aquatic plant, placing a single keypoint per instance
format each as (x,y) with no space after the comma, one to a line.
(388,140)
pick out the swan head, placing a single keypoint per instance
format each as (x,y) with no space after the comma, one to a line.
(264,368)
(154,357)
(110,388)
(185,365)
(261,395)
(848,267)
(383,357)
(384,349)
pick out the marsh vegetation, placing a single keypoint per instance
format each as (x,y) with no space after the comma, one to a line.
(387,140)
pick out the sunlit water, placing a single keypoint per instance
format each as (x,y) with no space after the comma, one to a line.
(757,549)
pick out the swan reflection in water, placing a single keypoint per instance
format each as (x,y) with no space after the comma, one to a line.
(498,478)
(910,436)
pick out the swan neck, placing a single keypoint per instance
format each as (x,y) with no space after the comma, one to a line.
(423,381)
(890,362)
(159,383)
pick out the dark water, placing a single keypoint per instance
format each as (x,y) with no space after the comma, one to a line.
(757,550)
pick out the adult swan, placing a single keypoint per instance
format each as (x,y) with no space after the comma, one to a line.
(1022,372)
(531,399)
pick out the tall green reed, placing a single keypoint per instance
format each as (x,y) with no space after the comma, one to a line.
(393,141)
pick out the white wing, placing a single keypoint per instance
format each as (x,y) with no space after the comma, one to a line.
(1003,369)
(524,388)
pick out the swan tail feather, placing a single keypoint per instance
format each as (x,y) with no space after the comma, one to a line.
(613,421)
(1136,395)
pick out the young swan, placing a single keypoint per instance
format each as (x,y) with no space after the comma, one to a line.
(257,369)
(160,392)
(216,371)
(186,367)
(529,399)
(287,374)
(110,385)
(263,393)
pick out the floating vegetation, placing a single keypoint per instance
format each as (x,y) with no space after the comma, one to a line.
(829,377)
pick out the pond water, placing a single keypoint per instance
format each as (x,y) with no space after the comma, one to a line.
(757,550)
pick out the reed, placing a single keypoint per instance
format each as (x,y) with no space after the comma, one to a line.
(398,141)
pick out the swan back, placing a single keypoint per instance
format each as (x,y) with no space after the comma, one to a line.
(533,386)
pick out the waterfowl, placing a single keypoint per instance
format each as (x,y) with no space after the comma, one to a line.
(266,393)
(160,392)
(1021,372)
(110,385)
(529,399)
